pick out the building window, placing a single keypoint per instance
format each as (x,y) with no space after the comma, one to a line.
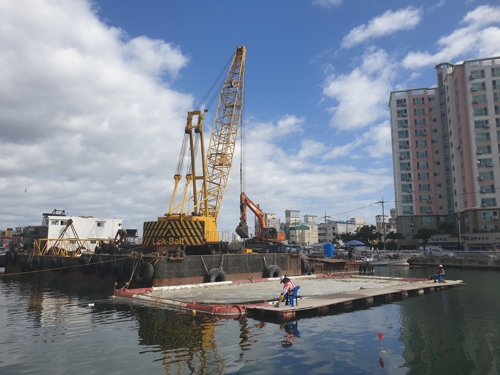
(401,103)
(420,133)
(418,101)
(425,209)
(402,123)
(476,99)
(404,144)
(483,150)
(496,84)
(495,72)
(488,202)
(406,188)
(419,122)
(427,220)
(403,134)
(435,141)
(421,143)
(480,112)
(479,124)
(407,198)
(407,210)
(477,73)
(402,113)
(482,137)
(422,165)
(405,176)
(424,187)
(423,176)
(489,215)
(479,86)
(419,111)
(404,166)
(100,223)
(491,227)
(485,162)
(485,176)
(422,154)
(408,232)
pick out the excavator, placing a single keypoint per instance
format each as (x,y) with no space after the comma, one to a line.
(190,224)
(263,232)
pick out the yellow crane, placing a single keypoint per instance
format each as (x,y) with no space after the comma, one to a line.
(191,220)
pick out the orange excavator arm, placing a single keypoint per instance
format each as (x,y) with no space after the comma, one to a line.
(242,229)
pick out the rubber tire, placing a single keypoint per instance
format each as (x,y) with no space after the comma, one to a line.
(54,264)
(63,263)
(22,265)
(85,267)
(36,264)
(216,275)
(144,274)
(117,272)
(274,271)
(100,269)
(13,258)
(311,270)
(306,267)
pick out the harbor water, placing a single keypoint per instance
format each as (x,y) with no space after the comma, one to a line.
(50,327)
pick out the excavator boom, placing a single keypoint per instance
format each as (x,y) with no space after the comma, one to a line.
(263,233)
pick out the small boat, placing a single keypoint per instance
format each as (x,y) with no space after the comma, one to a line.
(380,262)
(399,262)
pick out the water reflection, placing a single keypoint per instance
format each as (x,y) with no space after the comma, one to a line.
(49,327)
(290,332)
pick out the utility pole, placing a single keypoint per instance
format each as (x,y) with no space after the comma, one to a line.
(383,219)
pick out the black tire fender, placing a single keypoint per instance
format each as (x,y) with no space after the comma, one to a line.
(274,271)
(22,265)
(306,267)
(54,264)
(117,272)
(100,269)
(84,263)
(36,264)
(216,275)
(144,274)
(63,266)
(13,258)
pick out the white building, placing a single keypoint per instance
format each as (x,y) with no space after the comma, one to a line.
(86,227)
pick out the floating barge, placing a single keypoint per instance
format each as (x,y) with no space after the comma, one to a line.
(317,294)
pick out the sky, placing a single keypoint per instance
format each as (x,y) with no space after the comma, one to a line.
(94,97)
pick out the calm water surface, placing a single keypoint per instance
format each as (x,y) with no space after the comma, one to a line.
(54,328)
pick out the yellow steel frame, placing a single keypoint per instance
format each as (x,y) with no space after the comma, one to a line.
(203,192)
(62,247)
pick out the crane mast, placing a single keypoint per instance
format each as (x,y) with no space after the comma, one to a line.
(194,208)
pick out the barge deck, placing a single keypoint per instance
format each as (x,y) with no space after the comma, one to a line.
(317,294)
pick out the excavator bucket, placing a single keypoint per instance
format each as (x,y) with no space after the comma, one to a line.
(242,230)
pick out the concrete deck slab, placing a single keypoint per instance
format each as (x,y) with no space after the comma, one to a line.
(316,292)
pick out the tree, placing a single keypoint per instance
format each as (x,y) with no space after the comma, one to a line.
(424,234)
(346,237)
(367,234)
(395,236)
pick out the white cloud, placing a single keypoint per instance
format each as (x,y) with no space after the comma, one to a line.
(327,3)
(386,24)
(87,116)
(438,5)
(376,71)
(477,38)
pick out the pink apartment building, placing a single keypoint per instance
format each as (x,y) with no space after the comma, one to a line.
(445,143)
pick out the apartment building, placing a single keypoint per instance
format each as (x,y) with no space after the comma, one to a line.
(445,143)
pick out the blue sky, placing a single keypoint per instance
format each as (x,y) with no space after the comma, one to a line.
(94,96)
